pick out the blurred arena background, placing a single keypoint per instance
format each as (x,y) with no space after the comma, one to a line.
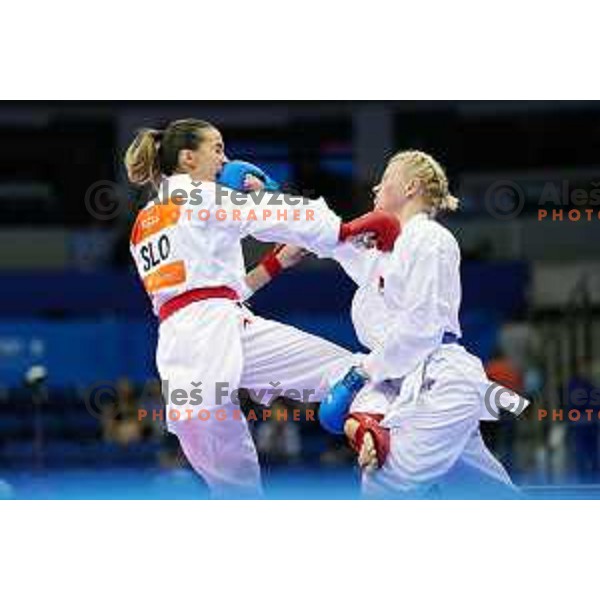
(71,303)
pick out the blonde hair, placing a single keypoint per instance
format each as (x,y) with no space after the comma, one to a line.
(431,176)
(154,152)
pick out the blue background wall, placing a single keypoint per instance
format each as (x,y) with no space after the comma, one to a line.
(119,339)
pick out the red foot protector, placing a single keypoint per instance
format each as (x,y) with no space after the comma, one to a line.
(369,422)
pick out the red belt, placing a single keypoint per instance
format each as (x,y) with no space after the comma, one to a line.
(196,295)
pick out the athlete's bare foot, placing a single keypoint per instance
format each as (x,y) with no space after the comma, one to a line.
(367,455)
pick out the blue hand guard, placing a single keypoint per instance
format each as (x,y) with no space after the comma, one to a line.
(233,174)
(334,408)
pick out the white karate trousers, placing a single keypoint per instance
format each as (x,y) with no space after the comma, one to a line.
(210,349)
(433,416)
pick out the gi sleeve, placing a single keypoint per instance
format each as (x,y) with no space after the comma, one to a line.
(310,224)
(356,262)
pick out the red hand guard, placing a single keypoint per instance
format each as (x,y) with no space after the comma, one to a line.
(369,422)
(384,225)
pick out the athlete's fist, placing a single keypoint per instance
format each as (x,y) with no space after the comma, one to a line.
(383,227)
(282,256)
(253,183)
(245,177)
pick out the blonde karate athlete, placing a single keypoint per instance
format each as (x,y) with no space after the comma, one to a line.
(209,345)
(416,400)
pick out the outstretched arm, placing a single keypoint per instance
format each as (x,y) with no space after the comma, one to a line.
(280,257)
(250,208)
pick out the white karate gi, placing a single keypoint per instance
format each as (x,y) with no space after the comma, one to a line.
(218,343)
(432,394)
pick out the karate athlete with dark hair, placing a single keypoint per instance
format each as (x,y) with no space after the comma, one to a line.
(190,261)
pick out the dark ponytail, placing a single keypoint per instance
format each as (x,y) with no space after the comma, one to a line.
(155,152)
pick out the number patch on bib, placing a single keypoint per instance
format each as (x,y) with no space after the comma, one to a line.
(154,248)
